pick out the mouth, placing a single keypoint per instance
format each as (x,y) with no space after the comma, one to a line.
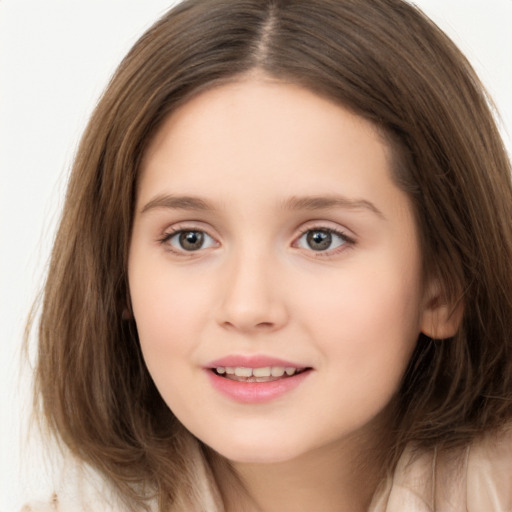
(256,379)
(262,374)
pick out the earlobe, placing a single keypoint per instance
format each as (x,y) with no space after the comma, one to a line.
(441,318)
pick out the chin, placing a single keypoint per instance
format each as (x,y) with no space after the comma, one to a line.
(252,451)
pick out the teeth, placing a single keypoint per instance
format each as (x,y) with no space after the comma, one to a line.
(267,371)
(262,372)
(243,372)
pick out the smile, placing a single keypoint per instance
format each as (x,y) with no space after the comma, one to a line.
(255,379)
(264,374)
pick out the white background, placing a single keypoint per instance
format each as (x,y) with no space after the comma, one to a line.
(55,58)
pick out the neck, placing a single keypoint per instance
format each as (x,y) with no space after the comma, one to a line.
(340,476)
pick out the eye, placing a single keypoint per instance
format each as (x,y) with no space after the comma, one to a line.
(189,240)
(321,240)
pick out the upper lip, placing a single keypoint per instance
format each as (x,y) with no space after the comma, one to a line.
(252,361)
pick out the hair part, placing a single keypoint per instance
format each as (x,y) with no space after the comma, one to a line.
(419,91)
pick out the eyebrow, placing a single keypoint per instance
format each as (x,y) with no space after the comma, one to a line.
(329,202)
(177,203)
(293,203)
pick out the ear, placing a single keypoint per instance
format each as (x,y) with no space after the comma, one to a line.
(441,318)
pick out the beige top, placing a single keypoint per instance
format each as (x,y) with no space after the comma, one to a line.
(475,479)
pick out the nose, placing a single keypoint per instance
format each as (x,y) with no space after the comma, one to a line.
(252,296)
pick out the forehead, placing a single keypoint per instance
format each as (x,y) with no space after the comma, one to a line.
(256,126)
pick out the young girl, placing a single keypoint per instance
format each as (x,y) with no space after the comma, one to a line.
(282,276)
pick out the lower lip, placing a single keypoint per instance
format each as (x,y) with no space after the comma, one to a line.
(255,392)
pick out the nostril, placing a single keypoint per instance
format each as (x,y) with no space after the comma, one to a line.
(265,324)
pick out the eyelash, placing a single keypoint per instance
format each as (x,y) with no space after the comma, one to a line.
(347,241)
(174,232)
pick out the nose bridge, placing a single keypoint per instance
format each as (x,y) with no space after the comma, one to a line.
(251,298)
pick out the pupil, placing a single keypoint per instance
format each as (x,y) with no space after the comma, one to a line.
(191,240)
(319,240)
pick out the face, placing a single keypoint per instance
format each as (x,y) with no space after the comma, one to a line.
(274,271)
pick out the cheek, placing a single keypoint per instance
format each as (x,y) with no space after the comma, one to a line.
(366,337)
(364,296)
(169,310)
(366,320)
(169,314)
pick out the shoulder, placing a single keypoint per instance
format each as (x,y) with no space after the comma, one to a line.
(76,503)
(52,505)
(489,473)
(40,507)
(78,495)
(55,504)
(477,478)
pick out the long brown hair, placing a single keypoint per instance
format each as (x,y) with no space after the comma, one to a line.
(384,60)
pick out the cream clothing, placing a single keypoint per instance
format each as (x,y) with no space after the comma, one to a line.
(475,479)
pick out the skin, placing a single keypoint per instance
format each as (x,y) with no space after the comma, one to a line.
(351,312)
